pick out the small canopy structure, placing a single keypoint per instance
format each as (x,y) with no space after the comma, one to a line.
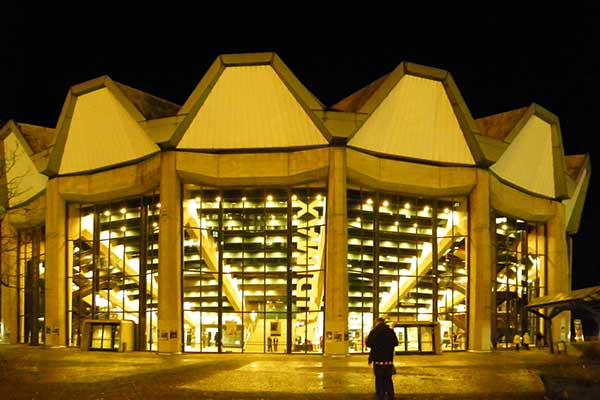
(587,299)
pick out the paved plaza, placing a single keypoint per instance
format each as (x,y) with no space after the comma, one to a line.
(58,373)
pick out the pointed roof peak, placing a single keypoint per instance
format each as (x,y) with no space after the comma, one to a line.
(235,78)
(357,101)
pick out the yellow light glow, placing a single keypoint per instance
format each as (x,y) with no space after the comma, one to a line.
(157,205)
(218,199)
(407,205)
(123,210)
(123,229)
(386,203)
(294,197)
(106,213)
(269,198)
(369,201)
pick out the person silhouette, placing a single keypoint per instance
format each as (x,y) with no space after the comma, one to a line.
(382,340)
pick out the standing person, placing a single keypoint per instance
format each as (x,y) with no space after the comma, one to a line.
(526,341)
(517,341)
(382,341)
(275,343)
(269,344)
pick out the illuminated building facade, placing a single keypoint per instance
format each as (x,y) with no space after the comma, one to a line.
(255,219)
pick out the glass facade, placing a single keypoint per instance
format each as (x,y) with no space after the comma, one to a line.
(113,265)
(31,285)
(253,270)
(520,260)
(407,262)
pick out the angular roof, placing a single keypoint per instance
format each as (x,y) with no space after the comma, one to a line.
(416,113)
(249,101)
(39,138)
(99,127)
(534,144)
(498,126)
(355,102)
(579,169)
(24,148)
(150,106)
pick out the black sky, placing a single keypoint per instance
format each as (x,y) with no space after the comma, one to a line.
(500,61)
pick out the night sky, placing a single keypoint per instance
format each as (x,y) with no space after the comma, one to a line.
(499,61)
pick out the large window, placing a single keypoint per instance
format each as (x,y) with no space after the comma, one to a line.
(520,276)
(31,285)
(113,258)
(253,269)
(407,262)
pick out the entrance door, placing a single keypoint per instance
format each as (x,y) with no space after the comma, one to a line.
(414,339)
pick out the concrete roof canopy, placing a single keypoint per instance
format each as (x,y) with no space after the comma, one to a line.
(415,113)
(24,154)
(250,101)
(99,127)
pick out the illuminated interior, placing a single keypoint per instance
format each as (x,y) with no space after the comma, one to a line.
(253,269)
(403,269)
(113,254)
(31,285)
(520,277)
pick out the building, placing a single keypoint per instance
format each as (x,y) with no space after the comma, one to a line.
(253,218)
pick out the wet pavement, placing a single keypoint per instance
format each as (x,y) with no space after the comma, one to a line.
(59,373)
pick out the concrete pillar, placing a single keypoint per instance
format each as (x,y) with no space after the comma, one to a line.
(170,328)
(336,290)
(558,278)
(480,263)
(55,308)
(9,311)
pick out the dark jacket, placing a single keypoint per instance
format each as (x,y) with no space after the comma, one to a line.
(382,341)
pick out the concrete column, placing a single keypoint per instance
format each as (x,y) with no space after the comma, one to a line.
(170,328)
(9,294)
(56,301)
(480,263)
(558,278)
(336,290)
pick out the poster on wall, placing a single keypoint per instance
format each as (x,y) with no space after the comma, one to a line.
(230,328)
(275,328)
